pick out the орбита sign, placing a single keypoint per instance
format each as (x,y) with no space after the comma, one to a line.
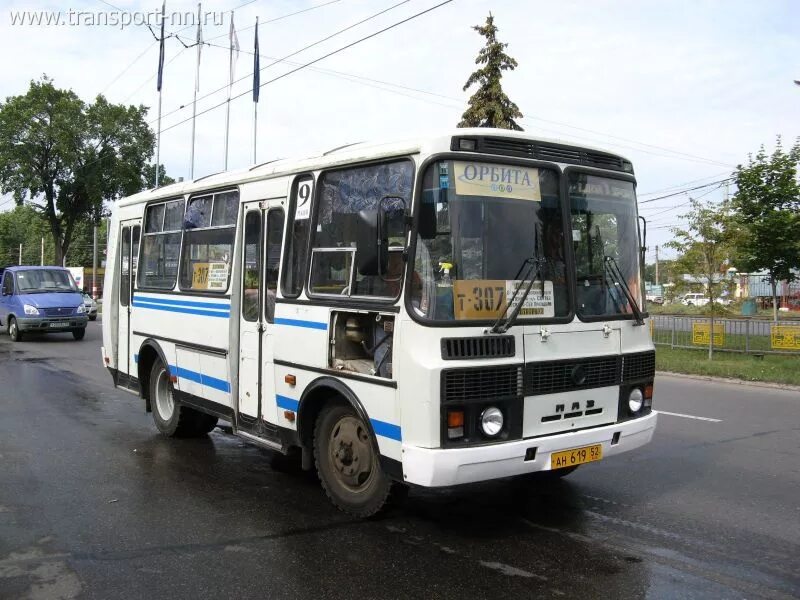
(504,181)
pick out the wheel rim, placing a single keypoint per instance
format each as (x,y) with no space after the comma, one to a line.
(12,327)
(351,454)
(164,402)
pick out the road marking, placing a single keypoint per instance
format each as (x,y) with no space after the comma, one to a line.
(672,414)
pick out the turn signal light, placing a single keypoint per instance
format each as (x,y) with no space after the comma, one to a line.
(290,379)
(648,391)
(455,424)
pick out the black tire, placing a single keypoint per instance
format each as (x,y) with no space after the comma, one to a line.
(93,318)
(342,443)
(172,419)
(79,334)
(13,330)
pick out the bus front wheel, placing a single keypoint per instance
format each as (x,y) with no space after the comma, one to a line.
(347,462)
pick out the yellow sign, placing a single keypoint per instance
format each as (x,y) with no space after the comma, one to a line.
(700,335)
(487,298)
(200,276)
(503,181)
(785,337)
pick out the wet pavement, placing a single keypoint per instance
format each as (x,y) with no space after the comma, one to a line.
(95,504)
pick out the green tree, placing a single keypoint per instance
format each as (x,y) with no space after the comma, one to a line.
(767,202)
(149,176)
(66,158)
(489,106)
(704,245)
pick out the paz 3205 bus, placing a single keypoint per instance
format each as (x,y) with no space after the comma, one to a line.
(434,312)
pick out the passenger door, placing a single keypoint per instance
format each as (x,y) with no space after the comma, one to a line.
(128,257)
(261,251)
(5,296)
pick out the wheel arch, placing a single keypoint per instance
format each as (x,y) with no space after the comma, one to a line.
(317,394)
(149,352)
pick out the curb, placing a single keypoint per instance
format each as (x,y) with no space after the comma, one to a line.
(763,384)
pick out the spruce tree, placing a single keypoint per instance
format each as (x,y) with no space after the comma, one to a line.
(489,106)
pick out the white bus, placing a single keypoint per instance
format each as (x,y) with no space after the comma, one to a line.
(435,312)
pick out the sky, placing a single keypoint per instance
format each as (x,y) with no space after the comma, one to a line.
(684,88)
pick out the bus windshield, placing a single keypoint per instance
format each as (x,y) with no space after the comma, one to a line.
(605,240)
(40,281)
(484,228)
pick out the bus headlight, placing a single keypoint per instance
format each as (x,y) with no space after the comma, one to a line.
(80,309)
(635,400)
(492,421)
(30,310)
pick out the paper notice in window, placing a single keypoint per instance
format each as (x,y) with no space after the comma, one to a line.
(502,181)
(536,304)
(218,276)
(210,276)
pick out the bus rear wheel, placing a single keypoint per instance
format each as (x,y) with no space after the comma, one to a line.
(347,462)
(172,419)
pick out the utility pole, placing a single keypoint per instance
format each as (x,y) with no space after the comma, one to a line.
(656,264)
(20,254)
(94,261)
(42,260)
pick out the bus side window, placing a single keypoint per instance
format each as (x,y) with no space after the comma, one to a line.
(275,220)
(251,285)
(294,266)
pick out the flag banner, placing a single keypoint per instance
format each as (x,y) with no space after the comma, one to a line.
(234,40)
(256,68)
(161,50)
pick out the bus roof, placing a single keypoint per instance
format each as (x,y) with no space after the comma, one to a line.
(343,155)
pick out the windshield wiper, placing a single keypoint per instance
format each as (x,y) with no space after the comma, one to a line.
(615,273)
(534,270)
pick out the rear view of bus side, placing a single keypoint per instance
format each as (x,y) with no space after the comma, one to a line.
(435,312)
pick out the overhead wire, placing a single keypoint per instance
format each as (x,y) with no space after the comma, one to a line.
(277,61)
(316,60)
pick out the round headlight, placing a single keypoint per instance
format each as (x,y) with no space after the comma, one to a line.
(492,421)
(635,400)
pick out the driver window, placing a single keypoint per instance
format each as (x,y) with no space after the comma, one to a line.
(8,284)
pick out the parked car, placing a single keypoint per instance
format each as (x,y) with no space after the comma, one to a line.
(653,299)
(694,300)
(90,305)
(41,299)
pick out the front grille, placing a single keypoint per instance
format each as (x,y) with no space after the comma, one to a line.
(513,381)
(541,151)
(639,366)
(561,376)
(483,383)
(478,347)
(57,312)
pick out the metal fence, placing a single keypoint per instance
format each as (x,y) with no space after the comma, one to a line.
(752,336)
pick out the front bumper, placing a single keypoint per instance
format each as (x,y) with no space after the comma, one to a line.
(43,324)
(435,467)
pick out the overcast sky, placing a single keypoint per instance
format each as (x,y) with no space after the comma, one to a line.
(685,88)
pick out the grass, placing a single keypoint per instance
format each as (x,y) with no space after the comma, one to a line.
(771,368)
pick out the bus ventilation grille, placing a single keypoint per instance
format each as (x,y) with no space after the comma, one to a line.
(483,383)
(551,152)
(478,347)
(639,366)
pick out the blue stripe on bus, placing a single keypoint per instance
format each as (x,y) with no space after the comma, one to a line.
(206,380)
(387,430)
(187,303)
(287,403)
(299,323)
(189,311)
(381,428)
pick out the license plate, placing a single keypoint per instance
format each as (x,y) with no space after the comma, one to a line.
(59,325)
(576,456)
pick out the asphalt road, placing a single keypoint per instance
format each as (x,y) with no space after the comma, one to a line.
(94,504)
